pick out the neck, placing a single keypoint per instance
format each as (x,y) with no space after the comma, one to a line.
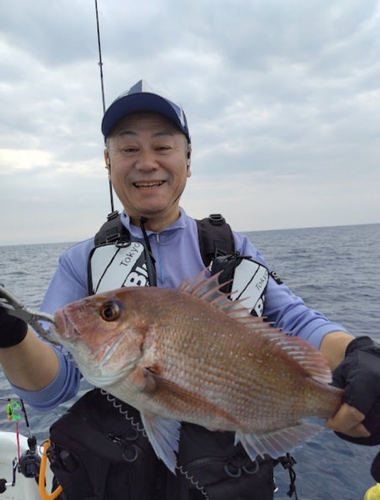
(154,223)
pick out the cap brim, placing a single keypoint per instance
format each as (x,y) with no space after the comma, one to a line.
(134,103)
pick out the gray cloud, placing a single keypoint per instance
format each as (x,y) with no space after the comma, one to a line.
(281,97)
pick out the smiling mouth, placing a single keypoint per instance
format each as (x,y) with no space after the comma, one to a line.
(148,185)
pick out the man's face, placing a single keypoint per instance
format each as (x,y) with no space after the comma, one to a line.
(148,168)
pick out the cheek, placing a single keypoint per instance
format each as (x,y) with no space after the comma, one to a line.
(181,170)
(180,178)
(118,172)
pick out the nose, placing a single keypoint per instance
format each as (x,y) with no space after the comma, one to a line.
(146,161)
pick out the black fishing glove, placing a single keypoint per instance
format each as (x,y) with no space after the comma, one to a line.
(12,330)
(359,375)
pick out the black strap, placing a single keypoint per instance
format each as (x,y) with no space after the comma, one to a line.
(215,238)
(111,231)
(288,462)
(215,235)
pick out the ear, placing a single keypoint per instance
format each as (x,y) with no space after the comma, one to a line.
(188,163)
(107,162)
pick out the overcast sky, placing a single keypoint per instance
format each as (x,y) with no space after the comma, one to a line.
(282,99)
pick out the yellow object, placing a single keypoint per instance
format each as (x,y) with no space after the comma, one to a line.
(373,493)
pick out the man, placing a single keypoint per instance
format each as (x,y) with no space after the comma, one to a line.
(148,153)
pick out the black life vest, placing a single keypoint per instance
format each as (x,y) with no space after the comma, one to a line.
(214,235)
(100,452)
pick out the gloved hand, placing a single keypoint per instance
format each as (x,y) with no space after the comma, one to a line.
(12,330)
(359,375)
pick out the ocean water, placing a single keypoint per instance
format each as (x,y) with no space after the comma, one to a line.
(335,270)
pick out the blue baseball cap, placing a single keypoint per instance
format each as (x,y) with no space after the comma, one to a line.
(143,97)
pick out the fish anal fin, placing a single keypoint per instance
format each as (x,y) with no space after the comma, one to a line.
(279,442)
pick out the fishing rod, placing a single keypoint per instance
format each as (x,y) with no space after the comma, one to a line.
(30,463)
(100,63)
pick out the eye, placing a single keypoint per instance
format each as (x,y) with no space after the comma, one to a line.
(163,148)
(109,311)
(129,150)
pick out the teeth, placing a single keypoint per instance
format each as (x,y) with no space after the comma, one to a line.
(148,184)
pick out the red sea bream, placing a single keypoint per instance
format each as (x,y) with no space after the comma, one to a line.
(191,354)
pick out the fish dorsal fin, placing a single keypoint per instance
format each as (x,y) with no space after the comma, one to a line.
(309,358)
(208,289)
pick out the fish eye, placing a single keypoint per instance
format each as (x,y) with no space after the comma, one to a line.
(110,311)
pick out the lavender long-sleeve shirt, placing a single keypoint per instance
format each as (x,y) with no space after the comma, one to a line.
(177,255)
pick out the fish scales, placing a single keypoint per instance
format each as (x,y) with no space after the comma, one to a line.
(205,373)
(227,383)
(191,354)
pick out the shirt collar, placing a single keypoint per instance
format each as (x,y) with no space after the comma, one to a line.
(135,231)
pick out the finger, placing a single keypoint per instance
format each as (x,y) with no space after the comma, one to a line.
(348,420)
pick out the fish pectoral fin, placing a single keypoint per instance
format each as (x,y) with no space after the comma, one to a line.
(194,400)
(163,435)
(279,442)
(144,380)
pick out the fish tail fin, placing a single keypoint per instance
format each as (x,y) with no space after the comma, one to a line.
(277,443)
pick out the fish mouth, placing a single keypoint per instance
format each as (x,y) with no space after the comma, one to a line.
(148,184)
(64,329)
